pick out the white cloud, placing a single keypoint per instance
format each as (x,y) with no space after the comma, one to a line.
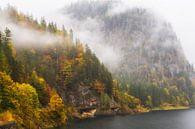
(180,13)
(26,37)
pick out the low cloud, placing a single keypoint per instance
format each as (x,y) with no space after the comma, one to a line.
(24,36)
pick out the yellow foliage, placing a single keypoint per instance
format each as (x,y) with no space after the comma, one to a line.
(5,80)
(55,114)
(56,102)
(115,87)
(6,116)
(140,108)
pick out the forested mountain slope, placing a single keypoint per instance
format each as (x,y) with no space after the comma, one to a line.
(45,81)
(150,54)
(47,75)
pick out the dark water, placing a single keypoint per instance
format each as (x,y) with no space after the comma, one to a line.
(183,119)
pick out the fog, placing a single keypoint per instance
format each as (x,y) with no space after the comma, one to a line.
(87,31)
(179,13)
(25,37)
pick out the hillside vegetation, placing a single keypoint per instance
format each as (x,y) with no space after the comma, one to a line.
(152,65)
(43,86)
(48,77)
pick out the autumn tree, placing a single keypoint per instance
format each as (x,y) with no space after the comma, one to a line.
(40,85)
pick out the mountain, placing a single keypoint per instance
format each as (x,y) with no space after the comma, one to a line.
(147,47)
(133,62)
(47,77)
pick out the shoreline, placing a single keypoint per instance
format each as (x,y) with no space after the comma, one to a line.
(170,108)
(128,113)
(107,114)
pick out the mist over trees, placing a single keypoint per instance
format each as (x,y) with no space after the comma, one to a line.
(47,74)
(150,53)
(43,85)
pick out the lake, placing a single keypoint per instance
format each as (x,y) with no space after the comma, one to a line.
(180,119)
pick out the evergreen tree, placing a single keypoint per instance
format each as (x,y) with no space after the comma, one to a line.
(3,60)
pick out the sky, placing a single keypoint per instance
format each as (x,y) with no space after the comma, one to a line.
(180,13)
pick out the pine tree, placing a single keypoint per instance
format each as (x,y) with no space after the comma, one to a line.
(3,60)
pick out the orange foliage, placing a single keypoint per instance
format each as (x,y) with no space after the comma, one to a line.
(6,116)
(99,86)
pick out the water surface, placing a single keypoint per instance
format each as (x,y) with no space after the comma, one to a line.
(181,119)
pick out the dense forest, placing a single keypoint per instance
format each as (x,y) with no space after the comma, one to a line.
(151,64)
(43,86)
(46,84)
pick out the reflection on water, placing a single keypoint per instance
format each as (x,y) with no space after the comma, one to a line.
(183,119)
